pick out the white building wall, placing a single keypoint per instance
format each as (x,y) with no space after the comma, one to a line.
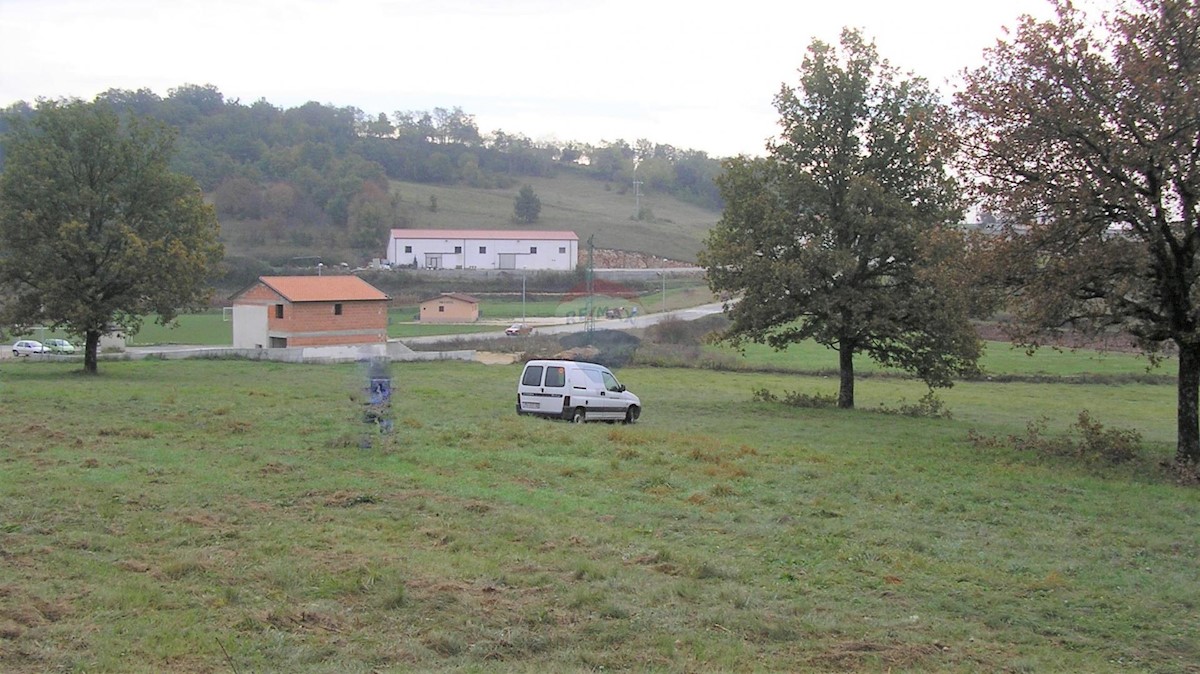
(475,253)
(249,326)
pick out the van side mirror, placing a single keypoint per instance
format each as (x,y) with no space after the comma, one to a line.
(620,388)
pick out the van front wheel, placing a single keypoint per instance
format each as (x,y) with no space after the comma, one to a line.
(579,416)
(632,414)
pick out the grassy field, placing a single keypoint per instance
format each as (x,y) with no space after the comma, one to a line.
(569,202)
(224,516)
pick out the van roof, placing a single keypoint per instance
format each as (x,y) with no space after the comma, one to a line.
(581,363)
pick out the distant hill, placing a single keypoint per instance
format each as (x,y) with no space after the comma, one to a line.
(571,200)
(320,181)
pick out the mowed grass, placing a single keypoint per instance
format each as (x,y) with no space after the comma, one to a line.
(223,515)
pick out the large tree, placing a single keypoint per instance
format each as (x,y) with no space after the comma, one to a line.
(841,233)
(95,231)
(1088,137)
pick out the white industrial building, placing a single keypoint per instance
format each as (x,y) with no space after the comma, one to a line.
(483,249)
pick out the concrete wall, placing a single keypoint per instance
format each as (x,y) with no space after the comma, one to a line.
(249,326)
(393,351)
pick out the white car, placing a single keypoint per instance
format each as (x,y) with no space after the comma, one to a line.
(60,346)
(518,329)
(28,347)
(577,391)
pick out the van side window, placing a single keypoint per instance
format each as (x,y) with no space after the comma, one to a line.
(610,382)
(556,376)
(532,376)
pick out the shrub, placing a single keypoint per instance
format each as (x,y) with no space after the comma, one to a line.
(796,398)
(677,331)
(616,348)
(1094,442)
(928,407)
(668,355)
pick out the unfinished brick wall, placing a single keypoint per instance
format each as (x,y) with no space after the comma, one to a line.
(361,321)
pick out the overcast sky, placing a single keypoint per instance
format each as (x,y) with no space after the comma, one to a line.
(691,73)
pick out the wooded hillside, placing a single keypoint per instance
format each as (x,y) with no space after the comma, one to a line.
(327,181)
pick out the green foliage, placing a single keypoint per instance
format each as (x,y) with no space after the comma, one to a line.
(928,407)
(1084,134)
(97,231)
(527,206)
(1094,442)
(841,234)
(796,398)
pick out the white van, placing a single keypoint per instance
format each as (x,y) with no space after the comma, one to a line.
(568,389)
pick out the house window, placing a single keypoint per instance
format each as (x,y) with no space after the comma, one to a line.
(533,250)
(441,308)
(278,311)
(458,249)
(482,250)
(337,309)
(408,249)
(562,249)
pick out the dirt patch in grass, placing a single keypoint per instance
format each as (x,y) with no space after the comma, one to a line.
(495,358)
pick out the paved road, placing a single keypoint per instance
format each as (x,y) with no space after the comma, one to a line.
(641,321)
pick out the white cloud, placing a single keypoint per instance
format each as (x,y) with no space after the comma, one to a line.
(692,74)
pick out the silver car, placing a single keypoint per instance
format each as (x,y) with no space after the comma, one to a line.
(28,347)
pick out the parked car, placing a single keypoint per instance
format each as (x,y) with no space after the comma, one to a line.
(518,329)
(567,389)
(28,347)
(60,346)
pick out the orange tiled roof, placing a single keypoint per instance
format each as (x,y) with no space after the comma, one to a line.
(323,288)
(506,234)
(462,297)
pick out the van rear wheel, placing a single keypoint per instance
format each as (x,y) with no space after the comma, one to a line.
(578,416)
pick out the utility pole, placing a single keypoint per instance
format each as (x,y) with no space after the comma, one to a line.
(590,319)
(637,195)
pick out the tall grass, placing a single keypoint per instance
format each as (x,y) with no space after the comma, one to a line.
(239,516)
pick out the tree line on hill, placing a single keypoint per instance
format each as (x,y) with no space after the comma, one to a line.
(324,166)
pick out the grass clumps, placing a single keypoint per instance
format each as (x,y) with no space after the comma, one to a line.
(1088,440)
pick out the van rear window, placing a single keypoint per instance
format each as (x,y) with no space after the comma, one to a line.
(532,376)
(556,376)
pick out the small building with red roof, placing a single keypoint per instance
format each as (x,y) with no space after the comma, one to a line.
(450,308)
(483,249)
(295,311)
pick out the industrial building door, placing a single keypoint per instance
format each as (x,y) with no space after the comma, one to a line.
(508,260)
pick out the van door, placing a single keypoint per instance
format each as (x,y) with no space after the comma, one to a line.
(543,388)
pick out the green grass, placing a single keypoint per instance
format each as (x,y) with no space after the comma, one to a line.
(222,516)
(999,359)
(570,201)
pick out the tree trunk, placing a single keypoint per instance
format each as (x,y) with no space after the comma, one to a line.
(90,347)
(1187,449)
(846,371)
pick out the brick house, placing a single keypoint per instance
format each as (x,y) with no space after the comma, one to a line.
(293,311)
(450,308)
